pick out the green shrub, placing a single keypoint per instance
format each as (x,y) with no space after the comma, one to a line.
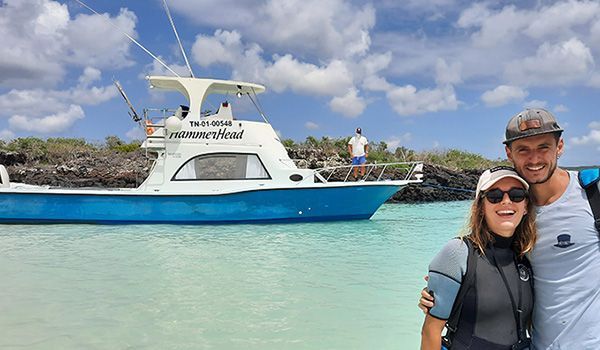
(114,143)
(34,148)
(288,143)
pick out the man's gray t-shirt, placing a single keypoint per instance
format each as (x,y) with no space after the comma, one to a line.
(566,267)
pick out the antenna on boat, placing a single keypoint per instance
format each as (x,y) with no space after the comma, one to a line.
(256,103)
(130,38)
(136,118)
(187,63)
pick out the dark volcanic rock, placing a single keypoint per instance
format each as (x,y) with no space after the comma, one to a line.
(12,158)
(440,184)
(108,169)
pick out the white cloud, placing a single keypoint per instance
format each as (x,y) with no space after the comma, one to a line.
(494,28)
(39,101)
(350,105)
(553,64)
(407,100)
(562,18)
(156,68)
(396,141)
(447,74)
(89,75)
(135,133)
(6,135)
(40,41)
(376,83)
(223,47)
(502,95)
(319,29)
(535,104)
(561,108)
(594,125)
(92,40)
(288,73)
(49,124)
(51,111)
(592,138)
(311,126)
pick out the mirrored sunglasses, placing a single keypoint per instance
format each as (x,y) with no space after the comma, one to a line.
(496,195)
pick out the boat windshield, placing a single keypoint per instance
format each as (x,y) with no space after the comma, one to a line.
(222,166)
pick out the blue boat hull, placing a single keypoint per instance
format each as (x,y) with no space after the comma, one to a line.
(277,205)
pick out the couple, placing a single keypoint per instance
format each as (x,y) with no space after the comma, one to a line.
(488,272)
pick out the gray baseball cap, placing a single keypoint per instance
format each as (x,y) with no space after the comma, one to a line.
(531,122)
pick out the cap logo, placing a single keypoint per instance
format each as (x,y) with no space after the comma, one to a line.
(501,167)
(525,125)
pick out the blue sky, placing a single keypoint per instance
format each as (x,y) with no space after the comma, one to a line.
(426,75)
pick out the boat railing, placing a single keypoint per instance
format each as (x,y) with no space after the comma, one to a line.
(154,119)
(405,171)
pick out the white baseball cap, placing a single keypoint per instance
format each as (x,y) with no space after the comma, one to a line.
(493,175)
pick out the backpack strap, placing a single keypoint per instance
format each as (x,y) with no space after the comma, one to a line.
(468,281)
(589,180)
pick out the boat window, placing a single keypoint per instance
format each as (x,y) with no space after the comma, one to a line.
(223,166)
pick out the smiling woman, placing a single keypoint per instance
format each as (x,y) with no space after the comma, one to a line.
(482,282)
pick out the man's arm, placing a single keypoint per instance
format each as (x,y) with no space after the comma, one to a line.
(350,149)
(367,150)
(431,333)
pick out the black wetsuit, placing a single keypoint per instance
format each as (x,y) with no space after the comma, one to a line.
(487,320)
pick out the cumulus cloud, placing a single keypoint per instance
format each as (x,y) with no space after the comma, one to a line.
(50,111)
(324,30)
(447,74)
(40,41)
(311,125)
(136,133)
(592,138)
(156,68)
(407,100)
(562,18)
(49,124)
(396,141)
(289,73)
(553,64)
(350,105)
(6,135)
(502,95)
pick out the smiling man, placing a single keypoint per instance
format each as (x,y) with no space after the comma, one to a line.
(566,256)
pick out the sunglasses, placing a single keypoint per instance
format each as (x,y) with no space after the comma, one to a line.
(496,195)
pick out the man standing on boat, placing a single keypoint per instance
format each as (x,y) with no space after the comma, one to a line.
(358,147)
(566,256)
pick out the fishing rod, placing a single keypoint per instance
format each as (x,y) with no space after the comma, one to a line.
(187,63)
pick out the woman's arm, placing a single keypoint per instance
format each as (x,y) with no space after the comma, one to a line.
(431,333)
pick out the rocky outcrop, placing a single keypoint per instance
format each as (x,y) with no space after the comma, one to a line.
(440,184)
(127,170)
(85,169)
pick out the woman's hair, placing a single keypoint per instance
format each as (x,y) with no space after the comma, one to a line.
(478,232)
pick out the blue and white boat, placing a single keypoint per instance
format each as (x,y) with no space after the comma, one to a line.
(212,168)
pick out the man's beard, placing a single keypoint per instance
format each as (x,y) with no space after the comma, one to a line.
(552,169)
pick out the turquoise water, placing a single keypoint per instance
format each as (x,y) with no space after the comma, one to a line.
(348,285)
